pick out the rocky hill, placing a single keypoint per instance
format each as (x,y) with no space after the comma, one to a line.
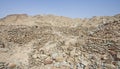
(57,42)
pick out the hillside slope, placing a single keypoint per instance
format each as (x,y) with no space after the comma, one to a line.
(57,42)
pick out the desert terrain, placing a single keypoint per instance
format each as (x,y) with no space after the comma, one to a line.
(58,42)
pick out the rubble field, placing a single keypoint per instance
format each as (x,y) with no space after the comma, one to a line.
(57,42)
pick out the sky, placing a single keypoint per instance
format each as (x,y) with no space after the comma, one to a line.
(68,8)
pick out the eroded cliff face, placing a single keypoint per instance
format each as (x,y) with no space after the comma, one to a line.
(57,42)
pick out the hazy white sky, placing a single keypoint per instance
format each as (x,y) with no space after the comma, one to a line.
(69,8)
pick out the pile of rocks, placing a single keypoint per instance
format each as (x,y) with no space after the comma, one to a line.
(75,46)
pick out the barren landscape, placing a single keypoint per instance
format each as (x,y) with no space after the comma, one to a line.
(58,42)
